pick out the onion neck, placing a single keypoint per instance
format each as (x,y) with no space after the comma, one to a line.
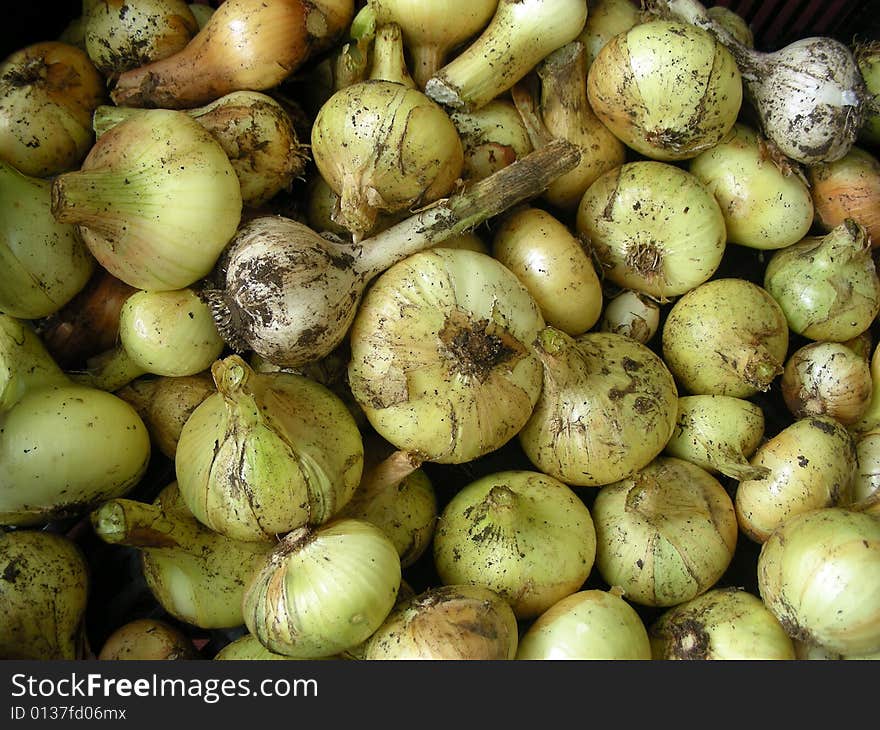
(97,199)
(389,63)
(110,370)
(25,363)
(426,61)
(390,472)
(141,525)
(844,244)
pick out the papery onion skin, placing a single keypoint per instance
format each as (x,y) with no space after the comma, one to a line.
(666,534)
(441,358)
(607,408)
(723,623)
(590,624)
(764,206)
(523,534)
(819,573)
(727,336)
(812,464)
(654,226)
(458,622)
(668,90)
(323,591)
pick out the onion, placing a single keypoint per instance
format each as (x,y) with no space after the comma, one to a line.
(194,573)
(44,593)
(589,624)
(868,60)
(809,95)
(545,256)
(322,591)
(460,622)
(632,314)
(654,226)
(388,61)
(827,378)
(248,648)
(819,573)
(606,409)
(523,534)
(718,433)
(441,355)
(666,534)
(848,188)
(811,463)
(25,363)
(733,22)
(383,146)
(805,280)
(723,623)
(667,89)
(765,204)
(726,337)
(866,484)
(267,453)
(606,19)
(871,417)
(492,137)
(147,639)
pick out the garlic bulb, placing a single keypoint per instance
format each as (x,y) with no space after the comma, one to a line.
(267,453)
(819,574)
(48,92)
(457,622)
(324,590)
(606,409)
(811,463)
(156,200)
(666,534)
(523,534)
(723,623)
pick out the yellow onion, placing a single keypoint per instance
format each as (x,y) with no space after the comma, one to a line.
(323,590)
(267,453)
(43,264)
(819,573)
(589,624)
(812,464)
(723,623)
(195,574)
(870,419)
(492,137)
(606,409)
(148,639)
(632,314)
(388,59)
(866,483)
(848,188)
(734,23)
(120,36)
(666,534)
(668,89)
(44,591)
(728,336)
(718,433)
(804,279)
(654,226)
(552,263)
(606,19)
(867,55)
(382,146)
(766,205)
(441,356)
(523,534)
(457,622)
(156,200)
(248,648)
(827,378)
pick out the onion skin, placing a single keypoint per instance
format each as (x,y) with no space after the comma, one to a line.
(607,408)
(147,639)
(723,623)
(666,534)
(812,464)
(589,624)
(819,573)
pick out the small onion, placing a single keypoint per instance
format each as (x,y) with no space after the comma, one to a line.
(723,623)
(827,378)
(667,89)
(718,433)
(765,204)
(805,279)
(552,263)
(819,573)
(606,19)
(459,622)
(866,484)
(811,463)
(589,624)
(523,534)
(147,639)
(666,534)
(726,337)
(606,409)
(492,137)
(322,591)
(654,226)
(633,314)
